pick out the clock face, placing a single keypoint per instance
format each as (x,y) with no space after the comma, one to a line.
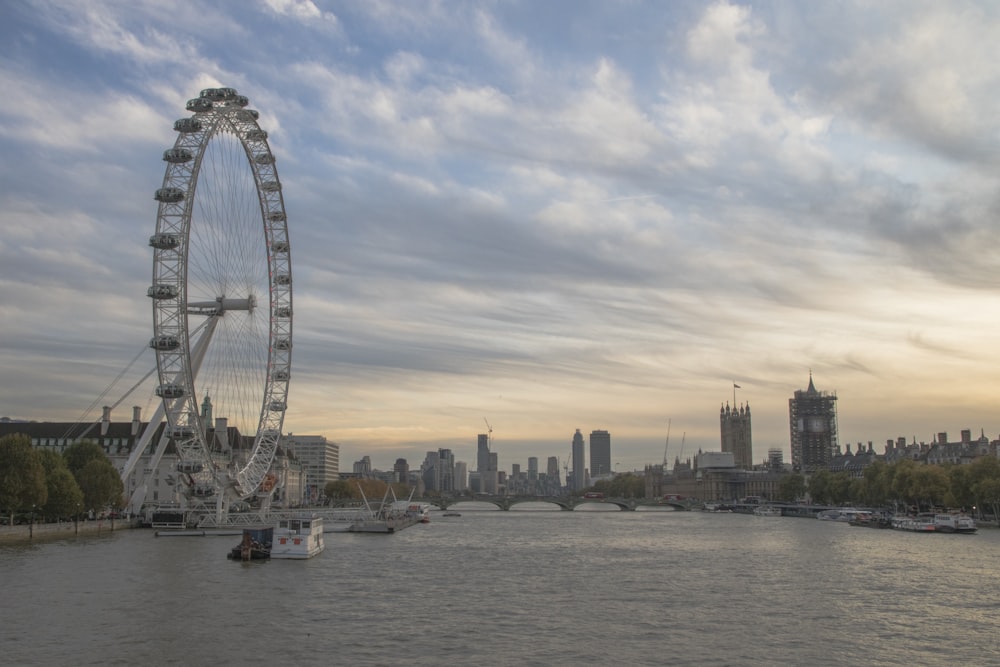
(816,425)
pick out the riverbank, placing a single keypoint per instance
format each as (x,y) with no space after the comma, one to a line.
(46,531)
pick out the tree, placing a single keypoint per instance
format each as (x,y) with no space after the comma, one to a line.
(22,476)
(819,487)
(79,454)
(840,488)
(930,485)
(101,485)
(791,487)
(337,490)
(65,498)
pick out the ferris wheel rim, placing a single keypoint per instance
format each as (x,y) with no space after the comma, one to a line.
(217,112)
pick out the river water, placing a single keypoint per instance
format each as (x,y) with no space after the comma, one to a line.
(515,588)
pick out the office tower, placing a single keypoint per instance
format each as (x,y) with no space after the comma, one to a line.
(483,453)
(552,469)
(812,417)
(446,470)
(734,424)
(600,453)
(364,466)
(461,476)
(579,481)
(401,471)
(320,460)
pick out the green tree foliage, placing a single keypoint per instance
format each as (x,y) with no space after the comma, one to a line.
(79,454)
(338,489)
(627,485)
(101,485)
(819,487)
(791,487)
(22,475)
(64,496)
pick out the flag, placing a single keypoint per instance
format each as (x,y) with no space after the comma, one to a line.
(736,386)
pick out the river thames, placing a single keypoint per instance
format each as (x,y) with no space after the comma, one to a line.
(515,588)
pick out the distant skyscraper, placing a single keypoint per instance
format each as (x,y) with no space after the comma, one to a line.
(401,471)
(812,417)
(600,453)
(483,453)
(532,468)
(734,425)
(552,469)
(579,481)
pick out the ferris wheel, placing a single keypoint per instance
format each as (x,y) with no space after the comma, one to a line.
(222,299)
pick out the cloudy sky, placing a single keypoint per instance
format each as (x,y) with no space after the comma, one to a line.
(548,215)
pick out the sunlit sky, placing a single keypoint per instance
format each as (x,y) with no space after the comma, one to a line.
(545,215)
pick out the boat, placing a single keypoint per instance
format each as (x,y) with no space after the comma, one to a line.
(954,523)
(767,510)
(298,537)
(923,523)
(871,520)
(841,514)
(255,545)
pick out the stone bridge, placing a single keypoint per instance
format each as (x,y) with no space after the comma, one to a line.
(565,503)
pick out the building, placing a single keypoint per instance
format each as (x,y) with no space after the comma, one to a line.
(401,471)
(812,417)
(320,460)
(579,478)
(363,468)
(153,476)
(600,454)
(552,470)
(734,426)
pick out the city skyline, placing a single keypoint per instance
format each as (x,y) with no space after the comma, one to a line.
(556,216)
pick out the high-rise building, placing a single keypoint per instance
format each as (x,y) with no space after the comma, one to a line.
(483,453)
(552,469)
(734,424)
(320,460)
(812,417)
(446,470)
(600,453)
(461,476)
(579,481)
(401,471)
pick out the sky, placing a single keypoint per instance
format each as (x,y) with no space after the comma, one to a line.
(541,216)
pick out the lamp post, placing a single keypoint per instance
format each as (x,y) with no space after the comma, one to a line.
(31,523)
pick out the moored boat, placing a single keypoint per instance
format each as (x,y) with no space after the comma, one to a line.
(298,537)
(255,545)
(954,523)
(923,523)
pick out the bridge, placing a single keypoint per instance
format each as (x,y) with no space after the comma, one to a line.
(564,503)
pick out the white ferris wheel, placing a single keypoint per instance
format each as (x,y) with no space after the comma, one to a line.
(222,299)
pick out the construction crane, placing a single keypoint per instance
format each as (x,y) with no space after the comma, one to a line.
(489,435)
(682,443)
(666,445)
(566,470)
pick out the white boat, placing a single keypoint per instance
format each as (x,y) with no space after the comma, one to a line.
(298,537)
(767,510)
(915,524)
(842,514)
(954,523)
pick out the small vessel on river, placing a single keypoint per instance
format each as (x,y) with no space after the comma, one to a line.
(954,523)
(255,545)
(298,537)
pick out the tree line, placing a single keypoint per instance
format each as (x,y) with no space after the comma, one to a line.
(53,486)
(904,484)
